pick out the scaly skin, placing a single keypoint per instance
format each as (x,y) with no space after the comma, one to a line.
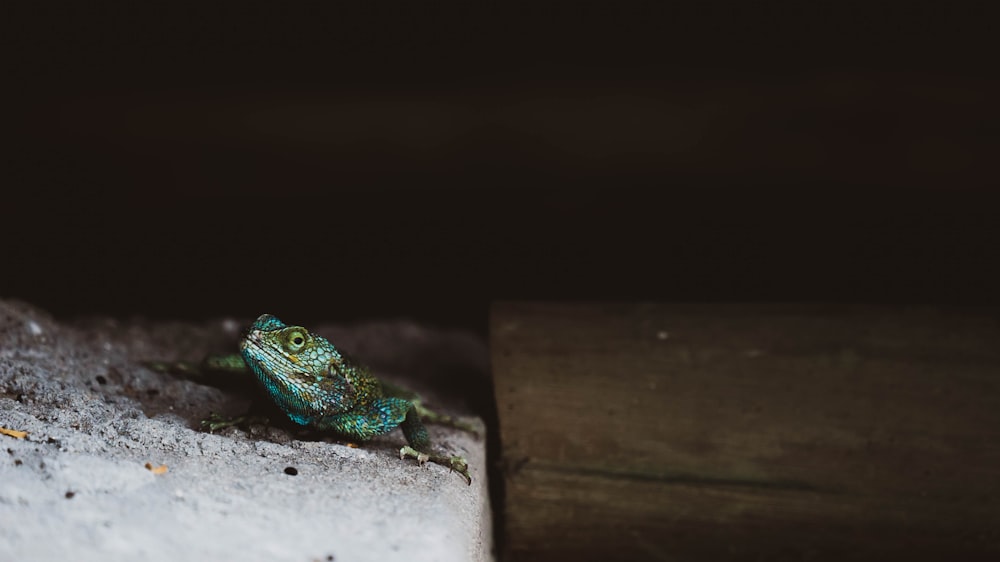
(317,386)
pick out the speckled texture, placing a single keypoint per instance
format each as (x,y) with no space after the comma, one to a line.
(316,386)
(76,487)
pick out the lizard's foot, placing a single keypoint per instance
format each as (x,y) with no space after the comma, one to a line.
(454,463)
(430,416)
(215,422)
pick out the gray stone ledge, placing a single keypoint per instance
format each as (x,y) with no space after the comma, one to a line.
(77,487)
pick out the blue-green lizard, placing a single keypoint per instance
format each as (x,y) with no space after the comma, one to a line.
(318,386)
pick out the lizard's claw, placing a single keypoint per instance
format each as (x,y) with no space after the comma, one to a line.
(461,466)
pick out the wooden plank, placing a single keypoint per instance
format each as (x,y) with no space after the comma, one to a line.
(747,431)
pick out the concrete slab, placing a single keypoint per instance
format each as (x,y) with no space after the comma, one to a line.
(78,487)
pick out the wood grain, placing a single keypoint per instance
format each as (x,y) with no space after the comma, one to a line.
(743,432)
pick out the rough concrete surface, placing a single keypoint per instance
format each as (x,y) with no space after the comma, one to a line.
(77,486)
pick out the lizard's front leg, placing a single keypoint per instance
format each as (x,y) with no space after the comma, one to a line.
(222,371)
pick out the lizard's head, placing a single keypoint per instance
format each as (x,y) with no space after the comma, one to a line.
(275,350)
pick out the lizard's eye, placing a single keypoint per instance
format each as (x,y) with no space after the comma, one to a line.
(296,340)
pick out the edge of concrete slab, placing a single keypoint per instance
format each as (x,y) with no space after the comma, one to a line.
(78,486)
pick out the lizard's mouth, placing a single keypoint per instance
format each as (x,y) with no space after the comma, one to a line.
(251,342)
(250,335)
(264,355)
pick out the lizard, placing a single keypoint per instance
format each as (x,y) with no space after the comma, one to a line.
(318,386)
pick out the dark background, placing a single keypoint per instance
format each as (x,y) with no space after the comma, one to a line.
(421,160)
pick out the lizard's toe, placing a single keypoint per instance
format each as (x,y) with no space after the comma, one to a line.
(408,451)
